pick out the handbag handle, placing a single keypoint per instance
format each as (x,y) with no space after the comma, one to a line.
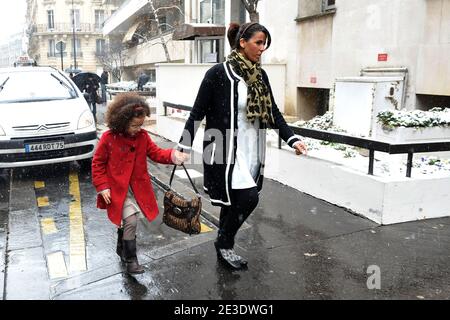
(173,172)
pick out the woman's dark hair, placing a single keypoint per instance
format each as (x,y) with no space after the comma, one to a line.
(246,31)
(123,108)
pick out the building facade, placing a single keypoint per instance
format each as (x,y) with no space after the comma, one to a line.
(198,37)
(317,41)
(142,31)
(67,34)
(345,38)
(12,49)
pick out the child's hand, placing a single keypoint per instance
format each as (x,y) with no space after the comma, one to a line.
(106,194)
(179,157)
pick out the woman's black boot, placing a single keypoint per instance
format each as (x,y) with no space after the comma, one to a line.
(229,258)
(133,265)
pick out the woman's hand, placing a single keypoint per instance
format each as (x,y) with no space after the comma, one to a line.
(106,194)
(300,148)
(179,157)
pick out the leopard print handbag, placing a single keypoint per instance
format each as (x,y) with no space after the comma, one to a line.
(180,213)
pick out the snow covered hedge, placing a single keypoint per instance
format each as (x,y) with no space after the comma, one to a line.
(324,122)
(123,86)
(436,117)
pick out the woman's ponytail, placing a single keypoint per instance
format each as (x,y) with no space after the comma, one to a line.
(232,33)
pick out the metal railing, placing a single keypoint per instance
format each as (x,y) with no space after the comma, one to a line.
(371,144)
(56,54)
(66,28)
(78,53)
(175,106)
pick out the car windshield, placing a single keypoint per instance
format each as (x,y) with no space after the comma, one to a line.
(34,86)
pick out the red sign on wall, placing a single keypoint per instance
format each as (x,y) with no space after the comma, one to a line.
(382,57)
(313,80)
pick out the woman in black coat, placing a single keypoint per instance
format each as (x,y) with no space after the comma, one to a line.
(236,99)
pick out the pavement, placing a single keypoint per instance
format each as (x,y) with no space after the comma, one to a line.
(298,247)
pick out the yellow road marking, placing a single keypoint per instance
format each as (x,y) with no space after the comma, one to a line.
(42,201)
(48,226)
(39,184)
(56,265)
(77,248)
(204,228)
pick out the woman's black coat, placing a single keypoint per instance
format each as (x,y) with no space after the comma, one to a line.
(217,100)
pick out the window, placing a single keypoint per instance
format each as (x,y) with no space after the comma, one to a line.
(99,19)
(212,11)
(51,48)
(152,74)
(210,50)
(75,19)
(310,9)
(163,23)
(328,5)
(100,46)
(218,12)
(77,48)
(50,19)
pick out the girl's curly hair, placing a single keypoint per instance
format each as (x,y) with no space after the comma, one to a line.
(123,108)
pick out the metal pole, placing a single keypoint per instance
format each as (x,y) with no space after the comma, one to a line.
(62,65)
(73,31)
(409,165)
(371,159)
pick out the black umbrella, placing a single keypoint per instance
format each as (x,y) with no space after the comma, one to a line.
(81,78)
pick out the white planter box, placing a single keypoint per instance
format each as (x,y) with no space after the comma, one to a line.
(408,135)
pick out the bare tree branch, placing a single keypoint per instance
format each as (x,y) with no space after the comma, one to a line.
(170,7)
(166,51)
(251,7)
(113,58)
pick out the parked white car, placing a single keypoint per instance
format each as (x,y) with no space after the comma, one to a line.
(44,118)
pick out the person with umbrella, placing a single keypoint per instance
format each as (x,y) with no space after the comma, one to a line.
(88,83)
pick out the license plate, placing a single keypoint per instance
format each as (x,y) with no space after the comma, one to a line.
(44,146)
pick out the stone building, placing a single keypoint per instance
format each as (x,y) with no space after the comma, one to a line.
(75,26)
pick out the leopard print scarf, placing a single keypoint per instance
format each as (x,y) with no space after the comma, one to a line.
(259,103)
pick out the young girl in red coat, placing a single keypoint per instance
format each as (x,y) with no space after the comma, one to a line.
(120,174)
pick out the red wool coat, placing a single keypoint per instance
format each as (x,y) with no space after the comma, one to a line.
(121,161)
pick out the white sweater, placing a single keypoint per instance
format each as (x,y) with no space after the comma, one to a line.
(247,161)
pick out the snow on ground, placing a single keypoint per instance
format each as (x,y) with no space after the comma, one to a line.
(415,118)
(179,114)
(424,165)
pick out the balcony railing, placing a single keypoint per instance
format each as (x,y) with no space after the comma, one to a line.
(56,54)
(66,28)
(99,53)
